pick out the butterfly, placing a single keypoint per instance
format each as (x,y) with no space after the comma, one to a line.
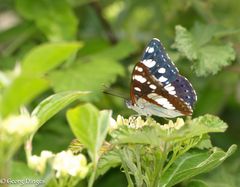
(157,88)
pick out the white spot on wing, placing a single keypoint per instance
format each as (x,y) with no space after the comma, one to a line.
(172,92)
(154,96)
(161,101)
(169,106)
(165,103)
(138,68)
(149,63)
(137,89)
(140,78)
(162,79)
(169,88)
(162,70)
(152,86)
(150,50)
(168,85)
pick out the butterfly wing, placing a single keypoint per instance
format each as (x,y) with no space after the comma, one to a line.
(156,82)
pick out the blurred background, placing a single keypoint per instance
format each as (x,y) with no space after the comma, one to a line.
(201,37)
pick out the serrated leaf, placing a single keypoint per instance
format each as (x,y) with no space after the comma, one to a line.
(203,33)
(89,126)
(212,59)
(153,134)
(185,43)
(205,142)
(47,56)
(21,91)
(53,104)
(55,19)
(108,160)
(194,163)
(145,135)
(206,124)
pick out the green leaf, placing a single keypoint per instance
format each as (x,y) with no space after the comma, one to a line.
(203,33)
(98,69)
(89,126)
(21,91)
(108,160)
(153,134)
(54,103)
(185,43)
(55,19)
(213,58)
(194,163)
(208,58)
(226,175)
(205,124)
(47,56)
(98,72)
(205,142)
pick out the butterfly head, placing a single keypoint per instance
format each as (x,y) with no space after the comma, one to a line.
(129,103)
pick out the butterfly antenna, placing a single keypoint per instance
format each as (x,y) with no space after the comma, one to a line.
(112,92)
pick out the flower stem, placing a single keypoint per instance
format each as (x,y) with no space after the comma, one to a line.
(160,158)
(92,177)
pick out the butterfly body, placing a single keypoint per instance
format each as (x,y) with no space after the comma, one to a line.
(157,88)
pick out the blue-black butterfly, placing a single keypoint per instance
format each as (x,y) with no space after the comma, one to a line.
(157,88)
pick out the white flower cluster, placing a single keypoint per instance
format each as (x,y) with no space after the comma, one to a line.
(63,163)
(177,125)
(20,125)
(138,122)
(38,163)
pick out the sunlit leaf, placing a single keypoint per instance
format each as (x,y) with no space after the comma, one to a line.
(207,58)
(54,103)
(212,59)
(47,56)
(90,126)
(21,91)
(154,134)
(185,43)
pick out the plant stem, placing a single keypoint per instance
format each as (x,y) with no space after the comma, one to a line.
(161,157)
(129,180)
(130,183)
(106,26)
(92,177)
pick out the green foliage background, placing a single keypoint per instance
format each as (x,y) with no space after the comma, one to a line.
(100,41)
